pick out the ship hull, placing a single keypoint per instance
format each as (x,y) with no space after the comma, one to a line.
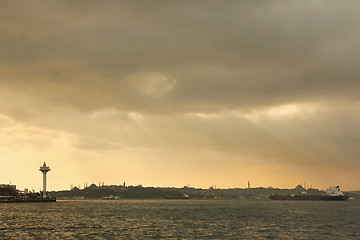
(15,200)
(309,197)
(177,197)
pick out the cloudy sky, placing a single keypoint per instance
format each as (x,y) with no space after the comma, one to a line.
(174,93)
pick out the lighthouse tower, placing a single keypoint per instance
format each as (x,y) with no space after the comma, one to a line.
(44,169)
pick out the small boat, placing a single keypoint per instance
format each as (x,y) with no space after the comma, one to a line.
(185,196)
(111,197)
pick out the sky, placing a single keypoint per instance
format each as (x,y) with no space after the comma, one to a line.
(175,93)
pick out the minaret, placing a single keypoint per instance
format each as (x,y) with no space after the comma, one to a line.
(44,169)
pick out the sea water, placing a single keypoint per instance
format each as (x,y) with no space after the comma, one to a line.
(181,219)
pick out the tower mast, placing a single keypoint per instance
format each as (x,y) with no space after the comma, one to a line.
(44,169)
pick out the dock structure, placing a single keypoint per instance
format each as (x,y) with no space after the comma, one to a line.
(44,169)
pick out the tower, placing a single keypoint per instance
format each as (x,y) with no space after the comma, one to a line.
(44,169)
(248,184)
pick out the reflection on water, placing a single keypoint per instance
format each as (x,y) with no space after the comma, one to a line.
(180,219)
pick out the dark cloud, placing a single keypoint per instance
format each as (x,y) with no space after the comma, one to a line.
(234,54)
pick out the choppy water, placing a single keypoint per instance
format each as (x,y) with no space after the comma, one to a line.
(180,219)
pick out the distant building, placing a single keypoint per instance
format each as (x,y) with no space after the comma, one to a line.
(7,190)
(8,186)
(93,186)
(299,188)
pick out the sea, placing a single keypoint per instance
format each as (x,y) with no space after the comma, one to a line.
(181,219)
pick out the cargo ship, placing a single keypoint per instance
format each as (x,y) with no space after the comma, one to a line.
(331,194)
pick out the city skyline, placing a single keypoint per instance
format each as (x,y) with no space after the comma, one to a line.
(178,93)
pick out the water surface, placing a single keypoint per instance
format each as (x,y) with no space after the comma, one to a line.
(181,219)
